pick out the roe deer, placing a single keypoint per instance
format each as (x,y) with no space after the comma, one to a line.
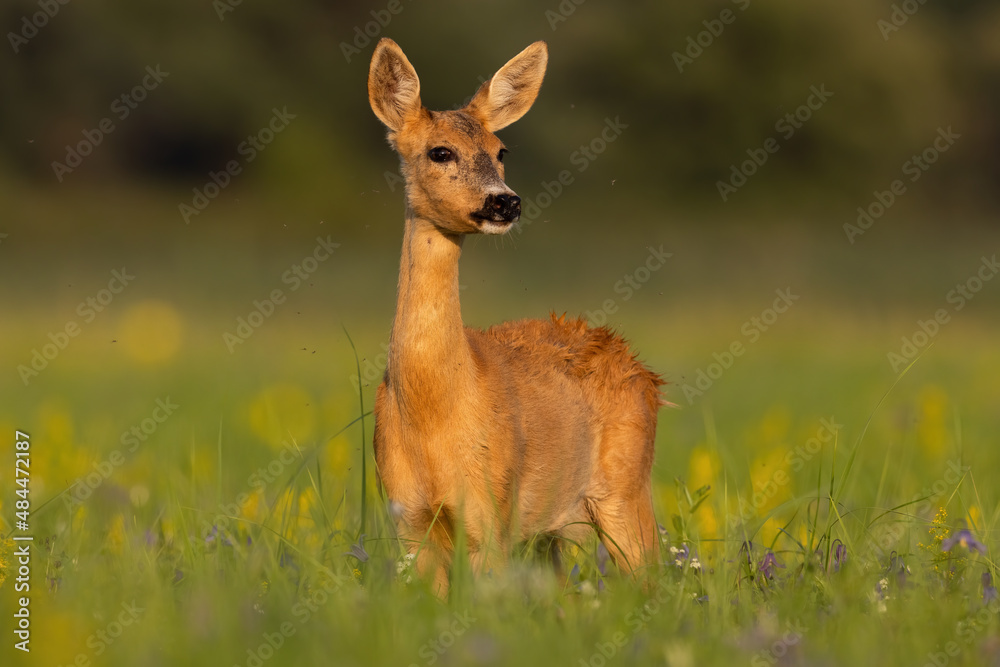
(527,428)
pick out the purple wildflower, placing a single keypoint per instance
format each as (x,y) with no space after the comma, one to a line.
(679,555)
(989,590)
(211,537)
(839,555)
(966,539)
(287,560)
(584,586)
(358,550)
(767,565)
(602,558)
(898,568)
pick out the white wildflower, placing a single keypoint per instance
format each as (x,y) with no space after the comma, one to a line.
(404,566)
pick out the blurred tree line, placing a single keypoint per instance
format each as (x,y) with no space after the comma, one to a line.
(701,86)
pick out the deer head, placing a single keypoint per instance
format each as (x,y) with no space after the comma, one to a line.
(451,160)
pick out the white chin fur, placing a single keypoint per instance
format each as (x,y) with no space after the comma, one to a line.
(490,227)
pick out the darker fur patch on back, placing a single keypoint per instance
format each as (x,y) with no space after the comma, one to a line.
(592,354)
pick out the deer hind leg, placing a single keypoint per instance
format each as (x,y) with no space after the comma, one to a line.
(430,541)
(627,528)
(432,563)
(486,562)
(621,504)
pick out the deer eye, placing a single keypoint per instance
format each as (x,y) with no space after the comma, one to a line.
(441,154)
(503,151)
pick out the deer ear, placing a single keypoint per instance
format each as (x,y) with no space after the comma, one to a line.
(393,86)
(512,90)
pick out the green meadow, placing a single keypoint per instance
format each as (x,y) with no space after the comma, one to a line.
(789,209)
(196,498)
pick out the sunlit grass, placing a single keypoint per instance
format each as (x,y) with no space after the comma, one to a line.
(795,531)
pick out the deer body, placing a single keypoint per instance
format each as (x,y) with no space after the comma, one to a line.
(528,427)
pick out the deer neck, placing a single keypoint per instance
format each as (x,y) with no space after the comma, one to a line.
(430,363)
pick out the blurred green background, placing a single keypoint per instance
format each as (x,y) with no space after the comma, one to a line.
(694,92)
(328,174)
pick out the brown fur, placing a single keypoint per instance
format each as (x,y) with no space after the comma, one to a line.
(530,427)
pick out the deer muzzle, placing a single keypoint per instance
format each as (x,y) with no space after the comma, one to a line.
(499,208)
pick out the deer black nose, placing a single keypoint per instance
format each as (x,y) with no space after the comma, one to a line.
(507,207)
